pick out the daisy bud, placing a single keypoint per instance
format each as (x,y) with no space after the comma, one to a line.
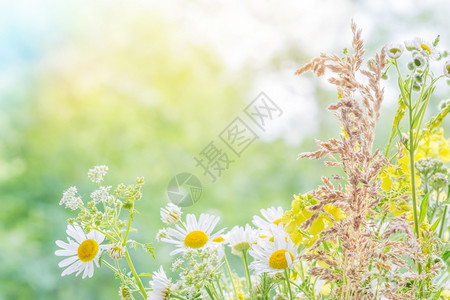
(116,252)
(394,50)
(124,292)
(419,61)
(170,214)
(447,69)
(411,45)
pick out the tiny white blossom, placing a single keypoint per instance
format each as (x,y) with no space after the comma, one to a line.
(101,195)
(177,264)
(70,199)
(96,174)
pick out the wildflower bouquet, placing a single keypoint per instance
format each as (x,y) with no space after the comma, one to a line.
(376,231)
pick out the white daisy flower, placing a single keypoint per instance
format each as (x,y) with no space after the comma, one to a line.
(193,234)
(447,68)
(82,252)
(241,239)
(422,45)
(272,231)
(394,50)
(160,286)
(271,215)
(170,214)
(412,45)
(273,257)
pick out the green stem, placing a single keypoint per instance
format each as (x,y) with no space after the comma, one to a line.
(413,171)
(106,234)
(110,266)
(247,273)
(136,276)
(441,231)
(288,281)
(220,288)
(128,226)
(231,276)
(435,206)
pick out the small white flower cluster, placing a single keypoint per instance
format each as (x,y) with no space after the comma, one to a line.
(97,173)
(101,195)
(70,199)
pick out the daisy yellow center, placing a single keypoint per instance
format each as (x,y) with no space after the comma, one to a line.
(87,250)
(276,222)
(394,50)
(425,47)
(278,259)
(218,239)
(195,239)
(447,67)
(242,246)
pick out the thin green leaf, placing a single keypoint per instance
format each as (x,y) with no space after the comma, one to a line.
(438,294)
(446,255)
(424,208)
(435,224)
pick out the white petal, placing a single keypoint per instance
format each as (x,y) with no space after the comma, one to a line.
(76,233)
(71,269)
(83,267)
(65,252)
(67,261)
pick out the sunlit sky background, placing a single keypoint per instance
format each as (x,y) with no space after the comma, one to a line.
(242,34)
(143,86)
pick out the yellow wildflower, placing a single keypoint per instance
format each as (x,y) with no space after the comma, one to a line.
(434,145)
(299,213)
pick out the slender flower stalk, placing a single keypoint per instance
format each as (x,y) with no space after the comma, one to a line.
(136,276)
(227,265)
(247,272)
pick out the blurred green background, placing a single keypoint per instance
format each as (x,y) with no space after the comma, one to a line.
(143,87)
